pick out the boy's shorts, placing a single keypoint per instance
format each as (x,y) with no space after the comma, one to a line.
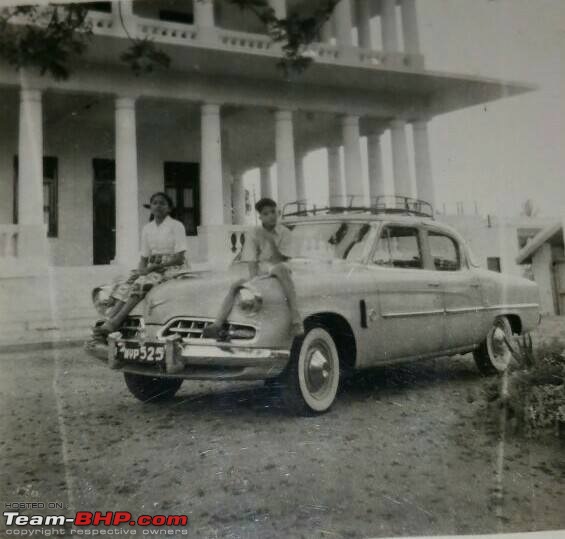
(267,268)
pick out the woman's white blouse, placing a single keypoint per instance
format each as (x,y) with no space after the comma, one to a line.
(168,238)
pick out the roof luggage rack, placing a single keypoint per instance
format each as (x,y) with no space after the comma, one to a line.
(392,204)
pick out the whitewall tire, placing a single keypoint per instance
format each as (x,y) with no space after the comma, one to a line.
(494,355)
(310,382)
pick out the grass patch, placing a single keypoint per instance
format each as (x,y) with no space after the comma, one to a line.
(535,395)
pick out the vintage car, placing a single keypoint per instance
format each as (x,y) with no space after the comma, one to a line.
(375,286)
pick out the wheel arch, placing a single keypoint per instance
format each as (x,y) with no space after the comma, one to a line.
(515,322)
(342,333)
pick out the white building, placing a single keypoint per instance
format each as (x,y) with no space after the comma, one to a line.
(496,242)
(79,157)
(545,254)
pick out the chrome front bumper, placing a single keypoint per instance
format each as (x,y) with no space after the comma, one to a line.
(218,361)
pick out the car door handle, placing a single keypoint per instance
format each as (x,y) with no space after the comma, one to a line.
(434,285)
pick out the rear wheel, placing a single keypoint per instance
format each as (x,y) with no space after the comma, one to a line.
(151,388)
(493,356)
(310,382)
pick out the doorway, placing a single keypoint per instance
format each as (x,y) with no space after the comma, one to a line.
(182,184)
(104,211)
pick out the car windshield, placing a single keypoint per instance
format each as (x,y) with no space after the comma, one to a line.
(330,241)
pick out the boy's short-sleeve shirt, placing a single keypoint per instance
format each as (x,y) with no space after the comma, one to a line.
(168,238)
(258,248)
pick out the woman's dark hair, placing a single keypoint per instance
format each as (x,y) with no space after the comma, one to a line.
(166,197)
(265,203)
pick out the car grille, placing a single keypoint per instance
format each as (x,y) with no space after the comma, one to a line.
(191,329)
(130,327)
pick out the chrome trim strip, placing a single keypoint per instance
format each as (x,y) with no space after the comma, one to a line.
(463,310)
(413,313)
(514,306)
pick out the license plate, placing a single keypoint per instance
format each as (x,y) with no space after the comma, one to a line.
(140,353)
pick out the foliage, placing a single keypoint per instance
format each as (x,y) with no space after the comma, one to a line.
(46,37)
(295,32)
(535,397)
(49,37)
(143,56)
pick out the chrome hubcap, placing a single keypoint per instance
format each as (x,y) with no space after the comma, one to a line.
(498,348)
(318,369)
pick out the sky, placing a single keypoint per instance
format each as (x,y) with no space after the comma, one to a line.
(499,155)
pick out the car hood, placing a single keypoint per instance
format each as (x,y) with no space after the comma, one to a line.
(200,295)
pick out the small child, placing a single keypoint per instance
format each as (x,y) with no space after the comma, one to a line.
(163,255)
(267,251)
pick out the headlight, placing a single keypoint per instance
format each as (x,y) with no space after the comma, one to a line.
(249,300)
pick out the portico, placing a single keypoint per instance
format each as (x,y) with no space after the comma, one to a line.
(225,124)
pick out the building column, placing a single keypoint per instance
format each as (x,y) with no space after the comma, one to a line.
(343,23)
(127,197)
(423,162)
(238,195)
(400,162)
(204,13)
(542,268)
(227,192)
(335,188)
(122,11)
(410,27)
(300,178)
(364,24)
(327,33)
(30,158)
(388,26)
(279,7)
(265,181)
(352,158)
(284,146)
(375,162)
(211,166)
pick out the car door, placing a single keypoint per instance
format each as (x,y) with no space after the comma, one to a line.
(463,298)
(410,304)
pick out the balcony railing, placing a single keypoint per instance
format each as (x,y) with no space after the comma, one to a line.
(232,40)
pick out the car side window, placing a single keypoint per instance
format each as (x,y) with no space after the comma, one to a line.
(398,247)
(444,251)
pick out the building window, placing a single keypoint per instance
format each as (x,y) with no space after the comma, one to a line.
(176,16)
(103,7)
(493,263)
(50,194)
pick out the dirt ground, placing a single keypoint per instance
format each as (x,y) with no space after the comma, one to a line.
(406,450)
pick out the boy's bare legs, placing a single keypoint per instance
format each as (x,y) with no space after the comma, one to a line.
(213,330)
(283,274)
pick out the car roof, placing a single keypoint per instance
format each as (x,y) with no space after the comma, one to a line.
(364,217)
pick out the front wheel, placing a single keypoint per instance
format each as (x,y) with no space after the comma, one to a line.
(493,356)
(151,388)
(309,383)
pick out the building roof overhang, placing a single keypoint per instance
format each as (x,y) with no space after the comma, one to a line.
(553,235)
(440,91)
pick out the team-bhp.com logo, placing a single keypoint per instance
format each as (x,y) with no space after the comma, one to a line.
(87,518)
